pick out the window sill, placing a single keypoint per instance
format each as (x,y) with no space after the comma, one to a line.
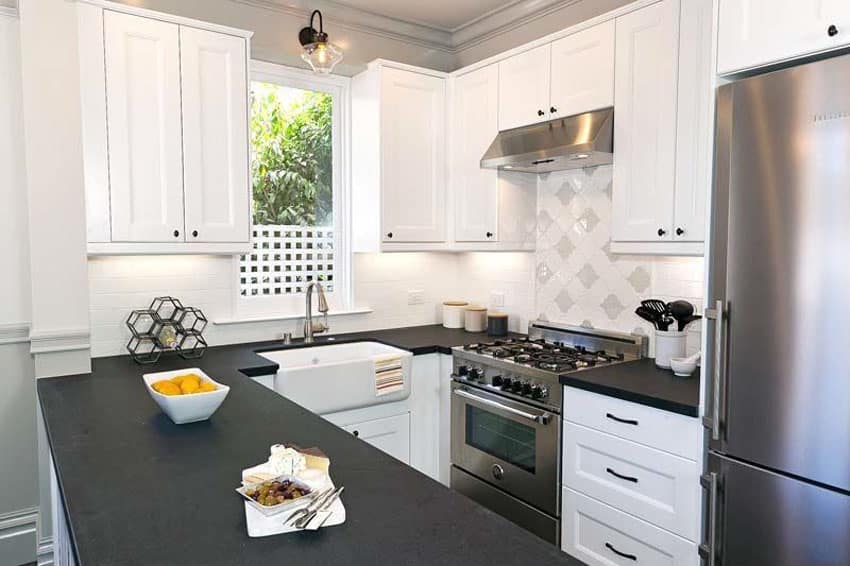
(228,321)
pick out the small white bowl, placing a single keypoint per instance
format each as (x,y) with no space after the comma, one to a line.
(683,367)
(191,408)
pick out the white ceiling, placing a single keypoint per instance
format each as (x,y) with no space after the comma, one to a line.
(447,15)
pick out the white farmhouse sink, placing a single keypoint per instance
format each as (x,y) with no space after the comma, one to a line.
(337,377)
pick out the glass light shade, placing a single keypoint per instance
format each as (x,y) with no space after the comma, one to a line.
(322,56)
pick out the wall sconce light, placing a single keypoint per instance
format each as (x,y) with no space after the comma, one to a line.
(321,54)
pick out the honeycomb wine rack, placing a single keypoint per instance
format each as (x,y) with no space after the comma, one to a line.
(165,326)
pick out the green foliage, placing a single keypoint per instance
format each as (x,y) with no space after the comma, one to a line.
(291,168)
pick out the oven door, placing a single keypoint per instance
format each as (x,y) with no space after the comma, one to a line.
(508,444)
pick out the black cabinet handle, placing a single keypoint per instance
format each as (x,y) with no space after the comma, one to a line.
(489,234)
(680,231)
(621,476)
(389,234)
(832,31)
(661,232)
(540,113)
(552,109)
(194,233)
(619,420)
(356,433)
(610,547)
(177,233)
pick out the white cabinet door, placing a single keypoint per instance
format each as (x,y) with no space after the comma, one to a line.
(645,123)
(524,88)
(474,126)
(758,32)
(583,71)
(143,115)
(390,434)
(215,136)
(412,157)
(600,535)
(425,414)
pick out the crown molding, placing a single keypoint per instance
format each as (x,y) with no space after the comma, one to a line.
(8,12)
(496,22)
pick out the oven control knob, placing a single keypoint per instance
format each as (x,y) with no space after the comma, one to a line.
(526,388)
(474,374)
(496,381)
(539,392)
(497,471)
(516,386)
(507,382)
(462,370)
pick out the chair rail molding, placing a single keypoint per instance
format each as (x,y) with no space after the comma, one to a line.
(14,332)
(8,12)
(66,340)
(18,532)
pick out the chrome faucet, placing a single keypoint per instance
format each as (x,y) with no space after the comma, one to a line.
(310,327)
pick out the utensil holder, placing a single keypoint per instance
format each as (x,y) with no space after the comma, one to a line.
(669,344)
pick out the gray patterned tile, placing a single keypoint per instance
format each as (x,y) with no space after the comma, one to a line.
(587,276)
(612,306)
(587,324)
(589,219)
(564,301)
(544,220)
(566,194)
(565,247)
(544,273)
(640,279)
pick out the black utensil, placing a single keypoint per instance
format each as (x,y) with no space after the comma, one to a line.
(680,309)
(664,323)
(657,305)
(648,315)
(683,323)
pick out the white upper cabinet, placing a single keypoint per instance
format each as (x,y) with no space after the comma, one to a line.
(215,135)
(752,33)
(412,157)
(474,126)
(143,115)
(583,71)
(645,123)
(524,88)
(165,133)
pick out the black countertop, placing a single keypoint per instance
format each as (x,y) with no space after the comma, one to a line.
(642,382)
(139,489)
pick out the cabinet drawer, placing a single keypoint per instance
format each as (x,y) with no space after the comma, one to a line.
(648,483)
(390,434)
(600,535)
(660,429)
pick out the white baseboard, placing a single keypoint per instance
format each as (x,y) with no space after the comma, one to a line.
(18,536)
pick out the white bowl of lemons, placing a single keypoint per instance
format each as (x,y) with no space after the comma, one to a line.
(185,395)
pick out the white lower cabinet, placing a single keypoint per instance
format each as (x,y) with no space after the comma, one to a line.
(631,482)
(601,535)
(390,434)
(656,485)
(266,381)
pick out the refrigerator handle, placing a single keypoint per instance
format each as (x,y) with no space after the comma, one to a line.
(713,422)
(707,549)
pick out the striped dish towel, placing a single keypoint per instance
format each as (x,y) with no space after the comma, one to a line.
(389,374)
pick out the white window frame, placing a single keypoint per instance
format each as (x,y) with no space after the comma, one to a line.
(341,300)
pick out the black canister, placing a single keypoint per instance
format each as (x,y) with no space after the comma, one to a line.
(497,324)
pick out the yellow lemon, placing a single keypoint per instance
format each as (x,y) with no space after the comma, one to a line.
(188,386)
(206,386)
(179,379)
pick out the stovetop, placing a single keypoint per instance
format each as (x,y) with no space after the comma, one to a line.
(528,368)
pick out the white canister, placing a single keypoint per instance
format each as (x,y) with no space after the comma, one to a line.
(475,319)
(669,344)
(453,313)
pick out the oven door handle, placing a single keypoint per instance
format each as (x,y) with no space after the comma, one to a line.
(540,419)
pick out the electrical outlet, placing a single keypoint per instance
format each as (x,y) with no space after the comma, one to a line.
(415,297)
(497,298)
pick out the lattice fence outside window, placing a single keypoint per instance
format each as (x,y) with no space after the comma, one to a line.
(286,259)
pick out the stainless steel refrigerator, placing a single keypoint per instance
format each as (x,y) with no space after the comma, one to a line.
(778,407)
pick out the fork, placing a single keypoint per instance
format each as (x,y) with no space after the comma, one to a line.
(329,500)
(307,509)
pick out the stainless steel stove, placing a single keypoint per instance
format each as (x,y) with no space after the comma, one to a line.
(505,429)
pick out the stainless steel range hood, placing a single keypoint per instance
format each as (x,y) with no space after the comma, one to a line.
(584,140)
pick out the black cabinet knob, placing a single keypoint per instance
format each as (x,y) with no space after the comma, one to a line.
(194,233)
(356,433)
(489,234)
(389,234)
(552,109)
(177,233)
(540,113)
(680,231)
(832,31)
(661,232)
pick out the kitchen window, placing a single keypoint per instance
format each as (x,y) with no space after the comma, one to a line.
(297,130)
